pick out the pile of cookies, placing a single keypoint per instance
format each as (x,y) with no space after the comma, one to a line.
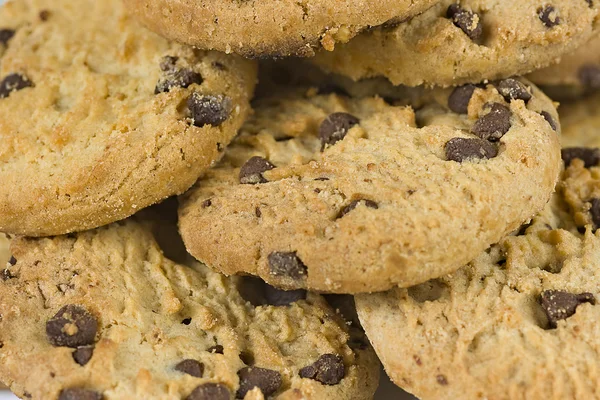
(237,199)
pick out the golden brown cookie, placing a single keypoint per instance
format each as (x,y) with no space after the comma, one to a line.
(347,194)
(519,322)
(269,27)
(100,117)
(468,41)
(104,314)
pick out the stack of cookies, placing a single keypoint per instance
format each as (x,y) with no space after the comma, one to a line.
(182,221)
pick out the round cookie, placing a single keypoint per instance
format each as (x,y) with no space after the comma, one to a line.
(452,43)
(104,314)
(519,322)
(577,73)
(99,117)
(269,27)
(354,194)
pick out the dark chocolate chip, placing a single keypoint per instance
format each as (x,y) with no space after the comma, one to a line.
(468,21)
(12,260)
(6,275)
(257,212)
(493,125)
(460,97)
(12,83)
(268,381)
(79,394)
(558,304)
(354,203)
(207,203)
(6,35)
(177,78)
(512,89)
(210,391)
(216,349)
(595,212)
(328,369)
(462,149)
(589,155)
(549,120)
(186,321)
(191,367)
(44,15)
(209,110)
(441,379)
(72,326)
(286,264)
(277,297)
(83,355)
(252,171)
(589,76)
(549,16)
(335,127)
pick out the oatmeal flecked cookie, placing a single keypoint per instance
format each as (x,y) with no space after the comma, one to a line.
(270,27)
(104,315)
(355,194)
(100,117)
(468,41)
(519,322)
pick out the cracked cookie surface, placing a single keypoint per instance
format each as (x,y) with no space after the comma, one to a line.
(355,194)
(99,117)
(269,27)
(452,43)
(519,322)
(103,314)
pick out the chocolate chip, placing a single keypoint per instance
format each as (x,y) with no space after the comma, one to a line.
(12,83)
(328,369)
(209,110)
(590,156)
(441,379)
(549,16)
(335,127)
(191,367)
(251,172)
(6,275)
(186,321)
(259,293)
(493,125)
(354,203)
(6,35)
(216,349)
(550,120)
(167,63)
(12,260)
(72,326)
(79,394)
(207,203)
(468,21)
(558,304)
(462,149)
(257,212)
(512,89)
(277,297)
(210,391)
(589,76)
(460,97)
(286,264)
(44,15)
(595,212)
(83,355)
(268,381)
(177,78)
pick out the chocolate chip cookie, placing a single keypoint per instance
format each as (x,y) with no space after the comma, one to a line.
(468,41)
(104,314)
(269,27)
(519,322)
(577,73)
(356,194)
(100,117)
